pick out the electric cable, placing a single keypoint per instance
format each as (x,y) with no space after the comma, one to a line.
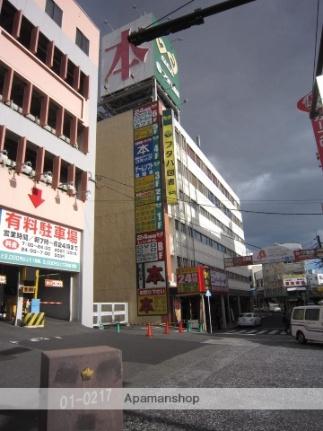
(170,13)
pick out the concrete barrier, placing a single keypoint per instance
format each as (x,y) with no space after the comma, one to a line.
(86,367)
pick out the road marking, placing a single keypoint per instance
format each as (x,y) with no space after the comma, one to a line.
(275,331)
(263,331)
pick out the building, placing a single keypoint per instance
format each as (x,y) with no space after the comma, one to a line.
(165,218)
(48,100)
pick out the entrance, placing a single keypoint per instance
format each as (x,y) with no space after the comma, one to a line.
(53,288)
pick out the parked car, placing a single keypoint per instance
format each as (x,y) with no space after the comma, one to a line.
(274,307)
(307,323)
(249,319)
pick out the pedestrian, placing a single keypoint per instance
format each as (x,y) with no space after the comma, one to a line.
(286,321)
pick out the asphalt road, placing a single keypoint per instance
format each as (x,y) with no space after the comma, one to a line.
(230,358)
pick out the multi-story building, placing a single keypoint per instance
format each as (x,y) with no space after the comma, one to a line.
(48,98)
(161,234)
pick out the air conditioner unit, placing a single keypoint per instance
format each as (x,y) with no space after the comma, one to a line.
(4,157)
(27,169)
(47,177)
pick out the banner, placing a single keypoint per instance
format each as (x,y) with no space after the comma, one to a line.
(237,261)
(169,157)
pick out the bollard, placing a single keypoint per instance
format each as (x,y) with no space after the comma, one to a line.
(200,327)
(166,328)
(87,369)
(149,330)
(189,326)
(118,327)
(180,327)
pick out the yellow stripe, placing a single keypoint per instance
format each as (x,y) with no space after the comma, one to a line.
(33,319)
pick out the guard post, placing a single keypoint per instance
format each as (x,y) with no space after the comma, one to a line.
(84,368)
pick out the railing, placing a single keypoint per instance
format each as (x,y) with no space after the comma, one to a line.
(109,313)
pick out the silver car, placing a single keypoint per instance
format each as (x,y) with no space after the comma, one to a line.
(249,319)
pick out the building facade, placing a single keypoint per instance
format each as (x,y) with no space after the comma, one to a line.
(165,218)
(49,53)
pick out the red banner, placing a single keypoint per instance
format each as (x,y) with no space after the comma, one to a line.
(317,125)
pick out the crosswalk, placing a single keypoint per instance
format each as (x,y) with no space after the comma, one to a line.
(256,331)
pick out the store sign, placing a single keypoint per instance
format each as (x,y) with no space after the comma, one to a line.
(292,280)
(190,280)
(275,253)
(124,65)
(237,261)
(219,281)
(300,255)
(169,157)
(149,213)
(153,303)
(53,283)
(3,279)
(150,247)
(29,241)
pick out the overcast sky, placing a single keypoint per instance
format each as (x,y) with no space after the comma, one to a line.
(242,73)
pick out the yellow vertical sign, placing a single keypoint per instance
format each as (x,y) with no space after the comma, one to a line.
(169,158)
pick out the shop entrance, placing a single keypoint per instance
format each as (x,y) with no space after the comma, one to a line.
(19,285)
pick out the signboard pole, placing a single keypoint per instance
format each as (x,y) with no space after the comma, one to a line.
(208,294)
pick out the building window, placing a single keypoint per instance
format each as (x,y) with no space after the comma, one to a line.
(82,42)
(54,12)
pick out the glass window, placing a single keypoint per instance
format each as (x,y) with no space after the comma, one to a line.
(312,314)
(54,12)
(82,41)
(298,314)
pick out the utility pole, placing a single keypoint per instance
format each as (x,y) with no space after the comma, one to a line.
(183,22)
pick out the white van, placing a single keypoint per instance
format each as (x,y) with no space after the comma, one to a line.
(307,323)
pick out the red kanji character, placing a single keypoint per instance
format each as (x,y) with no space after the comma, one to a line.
(122,54)
(154,274)
(30,224)
(45,229)
(13,221)
(146,305)
(59,232)
(72,235)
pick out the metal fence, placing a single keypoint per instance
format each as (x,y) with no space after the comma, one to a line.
(109,313)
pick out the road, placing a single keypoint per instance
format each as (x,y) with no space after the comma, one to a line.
(264,357)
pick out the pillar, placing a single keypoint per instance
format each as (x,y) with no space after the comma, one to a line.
(39,162)
(44,110)
(34,39)
(50,54)
(63,67)
(21,153)
(16,27)
(26,104)
(224,319)
(60,121)
(239,304)
(73,132)
(2,137)
(7,85)
(56,172)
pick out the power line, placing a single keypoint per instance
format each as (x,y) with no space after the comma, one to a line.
(170,13)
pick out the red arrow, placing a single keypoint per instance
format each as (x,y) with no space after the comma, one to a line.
(35,197)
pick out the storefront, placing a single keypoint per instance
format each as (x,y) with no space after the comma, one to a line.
(39,260)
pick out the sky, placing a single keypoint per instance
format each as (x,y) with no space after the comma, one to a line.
(241,74)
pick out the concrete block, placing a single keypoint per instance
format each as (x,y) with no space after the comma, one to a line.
(67,369)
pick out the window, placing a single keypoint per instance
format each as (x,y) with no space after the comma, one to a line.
(82,42)
(298,314)
(312,314)
(54,12)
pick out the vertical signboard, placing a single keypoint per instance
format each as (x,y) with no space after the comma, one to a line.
(169,157)
(150,241)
